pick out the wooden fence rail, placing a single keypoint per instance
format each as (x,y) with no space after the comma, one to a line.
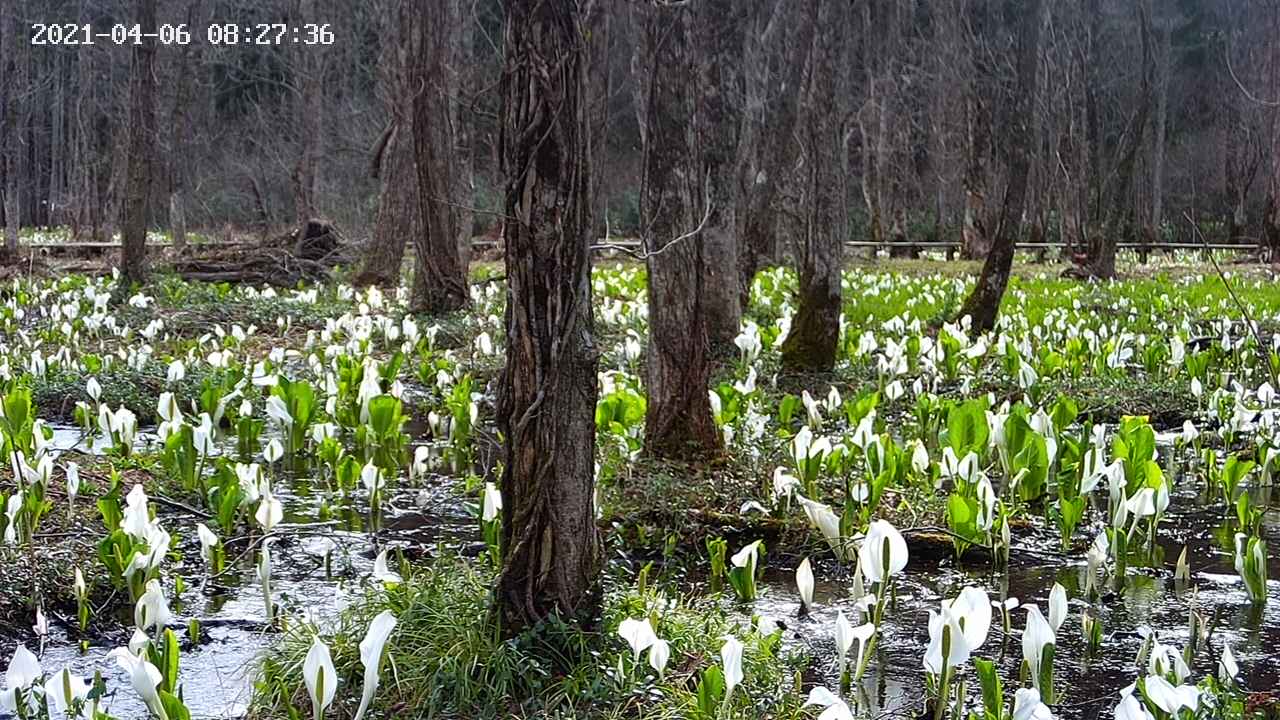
(633,244)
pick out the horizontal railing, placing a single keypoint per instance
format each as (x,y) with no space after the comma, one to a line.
(633,244)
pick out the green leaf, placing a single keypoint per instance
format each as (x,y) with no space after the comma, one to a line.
(710,692)
(967,427)
(992,690)
(1064,412)
(174,709)
(787,409)
(962,519)
(1046,674)
(169,662)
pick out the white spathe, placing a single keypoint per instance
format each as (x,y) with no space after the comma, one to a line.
(804,584)
(371,647)
(883,553)
(320,677)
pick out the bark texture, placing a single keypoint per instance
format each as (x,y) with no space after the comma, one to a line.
(138,168)
(1026,19)
(398,218)
(546,408)
(309,78)
(774,106)
(440,282)
(720,26)
(9,101)
(1120,218)
(815,329)
(180,138)
(678,422)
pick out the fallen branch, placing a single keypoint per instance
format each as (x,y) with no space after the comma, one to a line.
(1248,319)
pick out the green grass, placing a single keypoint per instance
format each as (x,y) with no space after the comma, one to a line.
(446,659)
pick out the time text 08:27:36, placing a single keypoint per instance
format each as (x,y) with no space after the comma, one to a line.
(182,34)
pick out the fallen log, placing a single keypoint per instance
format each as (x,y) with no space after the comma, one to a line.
(308,254)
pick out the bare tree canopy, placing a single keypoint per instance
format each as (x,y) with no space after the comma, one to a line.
(1123,137)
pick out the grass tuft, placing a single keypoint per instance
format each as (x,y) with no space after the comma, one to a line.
(446,659)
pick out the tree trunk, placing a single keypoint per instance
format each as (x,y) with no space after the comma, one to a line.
(1026,19)
(464,189)
(398,216)
(308,77)
(440,283)
(976,242)
(547,399)
(398,219)
(875,144)
(776,138)
(307,71)
(812,342)
(1162,123)
(177,220)
(9,65)
(1271,224)
(678,422)
(1271,211)
(720,48)
(142,81)
(1119,222)
(180,135)
(600,88)
(975,234)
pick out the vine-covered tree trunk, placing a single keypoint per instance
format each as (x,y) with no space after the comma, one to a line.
(815,329)
(720,28)
(1025,18)
(440,283)
(678,422)
(546,409)
(142,87)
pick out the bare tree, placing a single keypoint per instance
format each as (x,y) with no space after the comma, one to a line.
(719,48)
(180,134)
(1271,78)
(398,218)
(265,135)
(9,133)
(1026,20)
(811,343)
(138,171)
(546,408)
(976,236)
(1120,214)
(674,213)
(308,68)
(1160,141)
(440,280)
(769,148)
(398,215)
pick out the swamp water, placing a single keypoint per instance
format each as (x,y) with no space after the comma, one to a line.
(216,675)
